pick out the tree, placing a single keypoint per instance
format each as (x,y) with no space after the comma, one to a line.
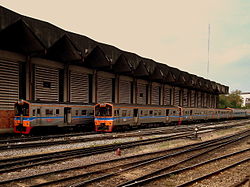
(232,100)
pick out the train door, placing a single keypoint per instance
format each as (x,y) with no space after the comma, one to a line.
(135,116)
(180,115)
(67,115)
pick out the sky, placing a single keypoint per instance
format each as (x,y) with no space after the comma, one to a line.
(174,32)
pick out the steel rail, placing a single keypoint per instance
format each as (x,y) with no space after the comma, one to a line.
(147,162)
(48,158)
(134,165)
(37,138)
(16,145)
(156,177)
(118,159)
(214,173)
(80,140)
(21,139)
(138,164)
(64,155)
(242,182)
(8,146)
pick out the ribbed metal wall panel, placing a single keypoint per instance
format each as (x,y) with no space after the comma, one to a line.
(155,95)
(141,94)
(199,99)
(192,102)
(125,91)
(50,75)
(213,101)
(167,96)
(204,100)
(104,89)
(79,87)
(208,100)
(185,98)
(176,96)
(9,84)
(189,98)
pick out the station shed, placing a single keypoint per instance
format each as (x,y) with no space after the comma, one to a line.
(41,62)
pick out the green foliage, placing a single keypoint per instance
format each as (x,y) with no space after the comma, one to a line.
(232,100)
(246,107)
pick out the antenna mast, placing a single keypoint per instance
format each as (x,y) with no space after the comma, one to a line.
(208,46)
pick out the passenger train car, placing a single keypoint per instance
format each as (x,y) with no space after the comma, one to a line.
(109,116)
(112,116)
(30,114)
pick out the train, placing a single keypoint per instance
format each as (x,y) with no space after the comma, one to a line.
(110,117)
(32,114)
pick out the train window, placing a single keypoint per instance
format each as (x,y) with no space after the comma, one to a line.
(49,112)
(34,112)
(91,112)
(167,112)
(57,111)
(103,110)
(124,113)
(151,112)
(155,113)
(38,111)
(84,112)
(191,112)
(174,112)
(116,112)
(22,109)
(141,112)
(76,112)
(159,112)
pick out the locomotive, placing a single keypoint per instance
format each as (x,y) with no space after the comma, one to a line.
(30,114)
(109,117)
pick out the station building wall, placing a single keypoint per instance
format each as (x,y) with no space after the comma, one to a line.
(126,90)
(11,87)
(28,78)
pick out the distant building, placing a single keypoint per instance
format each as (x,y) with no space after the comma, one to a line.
(246,98)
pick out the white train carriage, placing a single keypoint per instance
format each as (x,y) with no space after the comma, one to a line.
(30,114)
(110,116)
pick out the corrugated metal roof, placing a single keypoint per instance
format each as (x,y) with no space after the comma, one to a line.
(38,38)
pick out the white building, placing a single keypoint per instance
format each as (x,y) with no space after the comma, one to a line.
(246,98)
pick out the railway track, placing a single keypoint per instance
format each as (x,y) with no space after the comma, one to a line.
(18,139)
(12,164)
(114,170)
(242,182)
(118,176)
(215,172)
(15,144)
(23,138)
(141,181)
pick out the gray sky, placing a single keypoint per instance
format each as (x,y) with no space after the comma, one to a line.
(173,32)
